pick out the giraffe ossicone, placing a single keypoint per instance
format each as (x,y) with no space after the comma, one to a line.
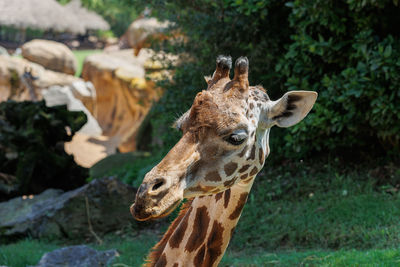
(223,146)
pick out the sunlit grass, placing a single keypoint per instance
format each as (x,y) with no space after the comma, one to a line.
(80,57)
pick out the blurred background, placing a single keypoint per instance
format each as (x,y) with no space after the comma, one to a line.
(89,90)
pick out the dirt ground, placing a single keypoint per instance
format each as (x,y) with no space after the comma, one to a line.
(88,150)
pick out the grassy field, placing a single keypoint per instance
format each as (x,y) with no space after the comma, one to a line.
(132,252)
(298,214)
(80,57)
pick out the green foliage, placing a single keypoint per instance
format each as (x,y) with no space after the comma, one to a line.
(31,145)
(118,13)
(347,51)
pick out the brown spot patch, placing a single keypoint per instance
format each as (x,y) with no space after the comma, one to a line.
(199,258)
(176,264)
(179,233)
(213,176)
(230,168)
(230,182)
(227,196)
(155,254)
(244,176)
(251,106)
(243,152)
(244,168)
(199,232)
(254,171)
(261,156)
(162,262)
(238,209)
(214,244)
(252,153)
(248,180)
(218,196)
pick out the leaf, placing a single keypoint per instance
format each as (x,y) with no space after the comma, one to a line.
(388,51)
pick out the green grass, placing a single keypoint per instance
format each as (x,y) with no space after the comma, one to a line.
(120,165)
(298,214)
(384,257)
(307,208)
(25,252)
(132,252)
(80,57)
(311,206)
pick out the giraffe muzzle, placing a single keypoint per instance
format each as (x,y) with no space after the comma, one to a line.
(154,199)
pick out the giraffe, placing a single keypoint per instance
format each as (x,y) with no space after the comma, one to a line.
(224,144)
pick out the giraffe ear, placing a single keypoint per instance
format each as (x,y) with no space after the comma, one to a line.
(291,108)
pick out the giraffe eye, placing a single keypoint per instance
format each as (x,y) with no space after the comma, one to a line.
(237,137)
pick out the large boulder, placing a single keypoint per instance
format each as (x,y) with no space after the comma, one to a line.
(51,55)
(77,256)
(124,96)
(63,95)
(53,213)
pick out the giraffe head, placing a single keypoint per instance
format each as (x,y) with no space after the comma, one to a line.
(224,140)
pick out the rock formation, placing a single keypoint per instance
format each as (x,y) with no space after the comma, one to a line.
(22,80)
(77,256)
(53,213)
(124,96)
(51,55)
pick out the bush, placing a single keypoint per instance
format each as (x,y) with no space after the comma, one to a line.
(32,140)
(350,55)
(347,51)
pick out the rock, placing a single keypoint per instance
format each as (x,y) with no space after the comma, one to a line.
(141,30)
(9,185)
(51,55)
(77,256)
(62,95)
(56,214)
(124,96)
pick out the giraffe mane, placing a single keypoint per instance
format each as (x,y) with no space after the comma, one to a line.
(156,251)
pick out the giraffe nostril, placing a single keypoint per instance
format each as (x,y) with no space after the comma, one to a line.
(157,185)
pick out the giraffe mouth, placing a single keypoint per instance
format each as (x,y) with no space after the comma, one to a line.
(169,210)
(139,213)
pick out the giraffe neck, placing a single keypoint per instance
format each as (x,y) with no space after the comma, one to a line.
(201,233)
